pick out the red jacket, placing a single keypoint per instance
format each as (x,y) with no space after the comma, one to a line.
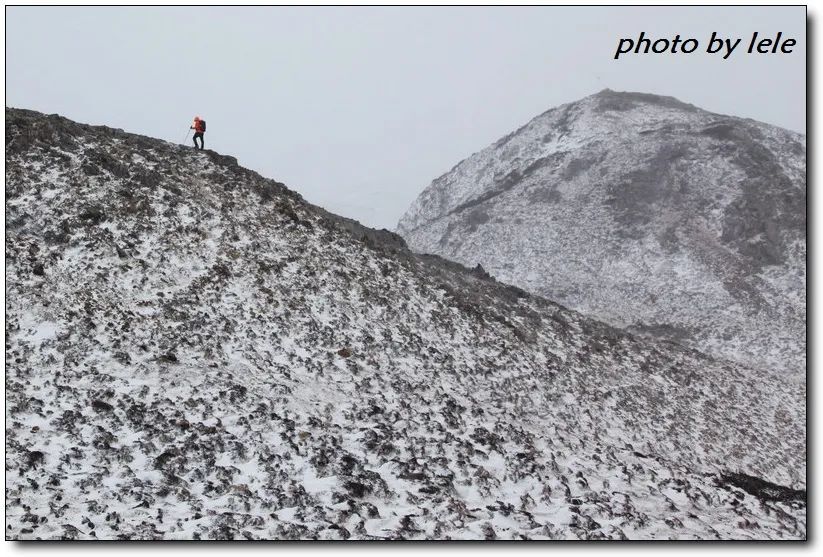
(198,126)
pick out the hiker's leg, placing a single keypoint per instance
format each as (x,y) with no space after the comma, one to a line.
(194,138)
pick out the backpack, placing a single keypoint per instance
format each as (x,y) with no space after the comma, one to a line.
(203,124)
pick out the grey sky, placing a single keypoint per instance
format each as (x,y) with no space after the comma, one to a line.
(360,108)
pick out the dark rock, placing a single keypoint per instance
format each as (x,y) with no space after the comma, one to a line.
(93,215)
(34,459)
(761,488)
(102,406)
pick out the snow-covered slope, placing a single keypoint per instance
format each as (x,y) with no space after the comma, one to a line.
(192,351)
(642,211)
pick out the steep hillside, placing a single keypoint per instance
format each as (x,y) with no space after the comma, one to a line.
(194,352)
(642,211)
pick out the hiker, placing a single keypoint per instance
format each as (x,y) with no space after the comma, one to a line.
(199,127)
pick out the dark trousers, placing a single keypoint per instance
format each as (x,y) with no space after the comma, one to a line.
(200,135)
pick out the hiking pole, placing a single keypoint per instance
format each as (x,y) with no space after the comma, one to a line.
(187,137)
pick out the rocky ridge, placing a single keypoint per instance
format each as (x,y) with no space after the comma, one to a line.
(194,352)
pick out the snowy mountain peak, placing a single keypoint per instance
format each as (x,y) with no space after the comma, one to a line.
(643,211)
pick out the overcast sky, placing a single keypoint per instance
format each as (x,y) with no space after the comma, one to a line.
(360,108)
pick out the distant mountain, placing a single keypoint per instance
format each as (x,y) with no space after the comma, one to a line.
(643,211)
(194,352)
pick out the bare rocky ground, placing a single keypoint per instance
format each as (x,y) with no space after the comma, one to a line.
(194,352)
